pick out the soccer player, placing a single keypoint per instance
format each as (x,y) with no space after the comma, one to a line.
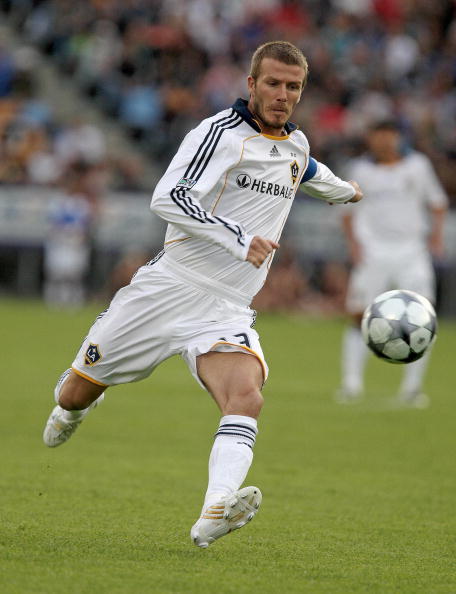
(392,238)
(226,196)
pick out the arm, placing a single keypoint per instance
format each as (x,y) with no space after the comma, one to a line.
(320,182)
(437,202)
(436,244)
(354,247)
(202,160)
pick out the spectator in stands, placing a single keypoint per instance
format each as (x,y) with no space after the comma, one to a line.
(80,141)
(67,248)
(372,59)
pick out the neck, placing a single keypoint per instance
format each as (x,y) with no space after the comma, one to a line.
(265,129)
(389,159)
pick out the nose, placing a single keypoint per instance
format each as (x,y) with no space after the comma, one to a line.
(282,93)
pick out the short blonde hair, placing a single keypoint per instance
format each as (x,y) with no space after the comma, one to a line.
(282,51)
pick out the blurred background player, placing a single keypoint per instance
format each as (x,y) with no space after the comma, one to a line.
(67,245)
(392,237)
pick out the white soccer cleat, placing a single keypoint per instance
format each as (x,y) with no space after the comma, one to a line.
(228,514)
(416,399)
(58,429)
(348,395)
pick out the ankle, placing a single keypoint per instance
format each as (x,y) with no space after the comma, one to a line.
(72,415)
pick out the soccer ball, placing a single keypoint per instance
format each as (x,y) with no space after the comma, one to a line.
(399,326)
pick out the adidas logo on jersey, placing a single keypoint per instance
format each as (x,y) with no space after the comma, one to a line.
(274,152)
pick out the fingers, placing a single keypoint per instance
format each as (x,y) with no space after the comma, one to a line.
(259,250)
(358,192)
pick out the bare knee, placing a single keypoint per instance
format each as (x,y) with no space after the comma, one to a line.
(78,393)
(247,402)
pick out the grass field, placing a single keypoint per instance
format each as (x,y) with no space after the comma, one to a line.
(356,499)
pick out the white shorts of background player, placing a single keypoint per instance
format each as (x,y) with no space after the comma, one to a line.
(376,275)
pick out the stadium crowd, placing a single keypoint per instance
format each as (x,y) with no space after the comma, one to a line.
(38,148)
(158,67)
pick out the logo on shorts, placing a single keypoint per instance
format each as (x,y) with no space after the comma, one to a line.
(92,355)
(185,182)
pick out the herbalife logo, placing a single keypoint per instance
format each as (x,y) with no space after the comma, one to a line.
(274,152)
(243,180)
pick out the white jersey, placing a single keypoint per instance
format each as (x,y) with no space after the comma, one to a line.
(227,183)
(393,218)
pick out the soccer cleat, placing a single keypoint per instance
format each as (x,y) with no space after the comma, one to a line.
(228,514)
(58,429)
(348,396)
(415,399)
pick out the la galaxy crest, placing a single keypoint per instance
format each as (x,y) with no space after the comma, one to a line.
(294,168)
(92,354)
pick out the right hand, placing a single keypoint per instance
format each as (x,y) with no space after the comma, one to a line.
(259,250)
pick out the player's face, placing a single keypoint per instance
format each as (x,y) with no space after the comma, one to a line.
(384,144)
(275,93)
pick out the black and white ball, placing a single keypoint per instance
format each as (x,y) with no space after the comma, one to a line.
(399,326)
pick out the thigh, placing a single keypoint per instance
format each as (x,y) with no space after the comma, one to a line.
(234,336)
(229,371)
(234,379)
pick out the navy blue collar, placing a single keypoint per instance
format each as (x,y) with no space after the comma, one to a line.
(240,107)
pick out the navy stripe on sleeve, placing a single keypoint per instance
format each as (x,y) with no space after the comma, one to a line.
(196,168)
(207,141)
(210,147)
(185,202)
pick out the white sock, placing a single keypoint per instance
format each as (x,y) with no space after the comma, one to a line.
(354,356)
(231,456)
(414,374)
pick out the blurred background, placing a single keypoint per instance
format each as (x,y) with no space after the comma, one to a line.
(96,96)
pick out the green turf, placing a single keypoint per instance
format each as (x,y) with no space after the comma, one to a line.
(356,499)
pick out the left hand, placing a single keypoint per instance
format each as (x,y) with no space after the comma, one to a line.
(359,193)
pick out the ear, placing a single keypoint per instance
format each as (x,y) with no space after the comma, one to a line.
(251,85)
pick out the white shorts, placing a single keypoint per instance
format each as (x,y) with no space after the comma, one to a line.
(375,276)
(158,316)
